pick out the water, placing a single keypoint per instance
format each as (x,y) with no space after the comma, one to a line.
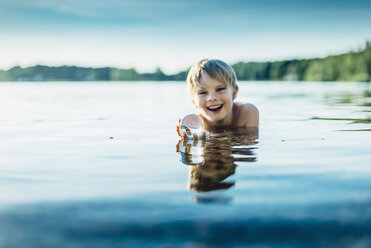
(96,164)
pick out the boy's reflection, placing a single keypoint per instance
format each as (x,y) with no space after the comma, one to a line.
(214,160)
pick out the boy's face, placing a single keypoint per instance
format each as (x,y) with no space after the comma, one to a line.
(214,100)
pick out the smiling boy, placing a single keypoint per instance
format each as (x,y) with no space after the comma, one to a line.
(213,88)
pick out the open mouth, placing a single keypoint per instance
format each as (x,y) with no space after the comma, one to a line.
(215,108)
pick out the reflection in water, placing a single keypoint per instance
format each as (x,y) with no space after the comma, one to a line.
(349,98)
(362,99)
(212,161)
(366,120)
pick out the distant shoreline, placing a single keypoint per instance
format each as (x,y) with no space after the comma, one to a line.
(346,67)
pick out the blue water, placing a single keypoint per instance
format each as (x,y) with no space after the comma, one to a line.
(96,164)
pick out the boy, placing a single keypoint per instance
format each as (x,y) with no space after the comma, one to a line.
(213,89)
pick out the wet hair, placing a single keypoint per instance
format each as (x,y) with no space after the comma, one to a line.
(216,69)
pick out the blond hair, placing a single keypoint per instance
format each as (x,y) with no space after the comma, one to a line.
(216,69)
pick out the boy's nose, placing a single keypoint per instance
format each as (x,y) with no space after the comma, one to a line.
(211,97)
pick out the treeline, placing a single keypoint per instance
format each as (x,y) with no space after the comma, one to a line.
(74,73)
(351,66)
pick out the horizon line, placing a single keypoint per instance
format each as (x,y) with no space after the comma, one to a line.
(357,50)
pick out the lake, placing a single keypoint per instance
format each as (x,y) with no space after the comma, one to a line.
(92,164)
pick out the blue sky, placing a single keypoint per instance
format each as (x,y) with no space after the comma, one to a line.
(174,34)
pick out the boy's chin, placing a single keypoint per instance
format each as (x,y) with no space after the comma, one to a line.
(213,119)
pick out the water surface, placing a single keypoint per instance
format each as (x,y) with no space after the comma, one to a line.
(99,163)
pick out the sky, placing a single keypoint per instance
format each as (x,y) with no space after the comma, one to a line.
(173,35)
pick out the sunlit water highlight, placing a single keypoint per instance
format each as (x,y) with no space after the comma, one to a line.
(96,163)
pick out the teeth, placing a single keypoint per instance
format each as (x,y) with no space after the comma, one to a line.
(214,107)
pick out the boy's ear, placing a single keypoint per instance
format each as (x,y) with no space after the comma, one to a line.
(235,91)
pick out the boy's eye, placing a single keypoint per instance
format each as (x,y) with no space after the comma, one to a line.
(220,89)
(202,93)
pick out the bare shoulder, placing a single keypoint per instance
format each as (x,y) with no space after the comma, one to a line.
(247,115)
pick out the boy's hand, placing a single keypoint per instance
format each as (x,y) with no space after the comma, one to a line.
(182,135)
(185,135)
